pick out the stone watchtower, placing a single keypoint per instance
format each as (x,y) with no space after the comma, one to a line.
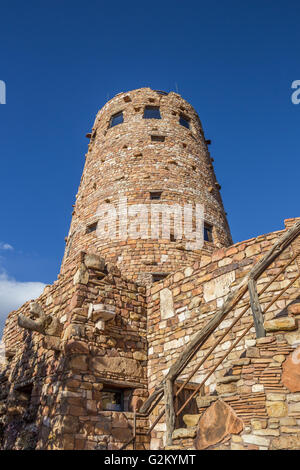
(149,147)
(87,363)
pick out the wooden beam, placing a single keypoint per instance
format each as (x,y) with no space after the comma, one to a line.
(256,309)
(233,298)
(282,243)
(170,413)
(196,342)
(147,404)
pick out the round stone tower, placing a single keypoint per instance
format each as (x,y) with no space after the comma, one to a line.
(147,148)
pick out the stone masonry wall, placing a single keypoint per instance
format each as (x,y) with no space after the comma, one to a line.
(185,301)
(124,161)
(261,393)
(51,388)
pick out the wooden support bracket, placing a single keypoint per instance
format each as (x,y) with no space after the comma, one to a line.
(256,309)
(170,413)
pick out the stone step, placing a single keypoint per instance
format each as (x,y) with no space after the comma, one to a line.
(185,433)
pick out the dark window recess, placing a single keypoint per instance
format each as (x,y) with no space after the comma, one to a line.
(172,237)
(161,92)
(112,399)
(155,195)
(23,395)
(208,233)
(152,112)
(156,277)
(184,121)
(158,138)
(116,119)
(181,398)
(25,391)
(91,228)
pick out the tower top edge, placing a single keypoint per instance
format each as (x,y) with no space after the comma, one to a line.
(145,90)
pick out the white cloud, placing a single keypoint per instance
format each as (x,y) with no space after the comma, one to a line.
(6,246)
(13,294)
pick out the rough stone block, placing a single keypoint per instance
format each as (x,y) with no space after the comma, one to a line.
(291,371)
(217,422)
(280,324)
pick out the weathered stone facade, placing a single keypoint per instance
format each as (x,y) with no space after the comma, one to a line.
(259,379)
(124,161)
(83,357)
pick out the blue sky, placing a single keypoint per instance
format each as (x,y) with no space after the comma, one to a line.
(61,60)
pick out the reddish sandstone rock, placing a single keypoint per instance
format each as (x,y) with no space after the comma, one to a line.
(216,423)
(294,309)
(291,371)
(126,366)
(74,346)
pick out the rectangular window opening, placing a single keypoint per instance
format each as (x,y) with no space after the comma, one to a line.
(155,195)
(24,393)
(161,92)
(208,237)
(152,112)
(156,277)
(116,119)
(92,227)
(112,399)
(158,138)
(184,121)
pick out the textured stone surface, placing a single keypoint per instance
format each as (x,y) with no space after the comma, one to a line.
(124,160)
(217,422)
(94,262)
(184,433)
(294,309)
(281,324)
(293,338)
(205,401)
(82,275)
(218,287)
(128,367)
(166,304)
(276,409)
(256,440)
(258,424)
(191,420)
(286,443)
(291,371)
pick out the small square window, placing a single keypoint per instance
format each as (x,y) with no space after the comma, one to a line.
(112,399)
(155,195)
(161,92)
(208,233)
(116,119)
(152,112)
(184,121)
(156,277)
(158,138)
(92,227)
